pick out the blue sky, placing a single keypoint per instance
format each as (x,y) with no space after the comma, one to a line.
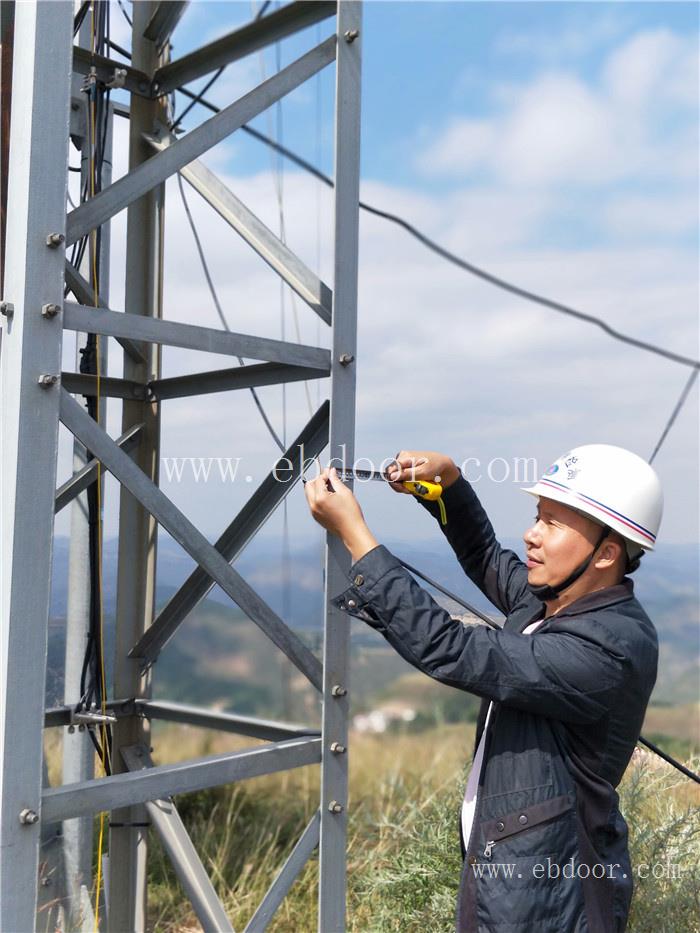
(554,144)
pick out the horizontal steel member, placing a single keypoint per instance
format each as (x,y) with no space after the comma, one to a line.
(154,500)
(191,336)
(244,41)
(165,18)
(260,238)
(226,380)
(109,386)
(135,81)
(310,442)
(88,474)
(62,715)
(85,294)
(123,790)
(162,165)
(225,722)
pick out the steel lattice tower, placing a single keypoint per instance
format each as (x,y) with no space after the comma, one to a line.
(36,396)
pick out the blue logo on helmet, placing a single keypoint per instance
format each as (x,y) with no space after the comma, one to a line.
(553,469)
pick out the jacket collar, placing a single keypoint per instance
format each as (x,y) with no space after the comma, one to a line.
(589,602)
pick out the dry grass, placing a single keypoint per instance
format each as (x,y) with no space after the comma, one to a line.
(403,853)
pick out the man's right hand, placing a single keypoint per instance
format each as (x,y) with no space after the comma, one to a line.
(425,465)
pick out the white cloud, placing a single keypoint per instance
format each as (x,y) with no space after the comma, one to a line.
(465,145)
(575,39)
(637,121)
(651,215)
(652,69)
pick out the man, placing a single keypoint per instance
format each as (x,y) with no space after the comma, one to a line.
(565,683)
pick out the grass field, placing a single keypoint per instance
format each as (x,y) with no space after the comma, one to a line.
(403,859)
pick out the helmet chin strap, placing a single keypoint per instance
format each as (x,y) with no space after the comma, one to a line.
(546,592)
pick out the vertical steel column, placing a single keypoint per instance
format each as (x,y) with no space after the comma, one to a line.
(334,767)
(137,529)
(30,359)
(78,751)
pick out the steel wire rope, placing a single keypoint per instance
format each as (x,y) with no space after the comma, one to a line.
(674,414)
(457,260)
(219,310)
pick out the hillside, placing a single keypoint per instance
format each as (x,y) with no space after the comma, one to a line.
(217,656)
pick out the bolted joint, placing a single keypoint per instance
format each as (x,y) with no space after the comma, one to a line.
(345,359)
(46,380)
(28,817)
(54,240)
(335,807)
(351,34)
(50,310)
(337,748)
(7,309)
(338,690)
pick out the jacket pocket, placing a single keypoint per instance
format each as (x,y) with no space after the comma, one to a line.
(520,821)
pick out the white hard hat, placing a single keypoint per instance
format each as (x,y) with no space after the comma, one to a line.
(611,485)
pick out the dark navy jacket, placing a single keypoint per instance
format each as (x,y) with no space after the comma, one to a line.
(569,701)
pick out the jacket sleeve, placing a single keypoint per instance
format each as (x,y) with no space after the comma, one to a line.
(499,573)
(559,675)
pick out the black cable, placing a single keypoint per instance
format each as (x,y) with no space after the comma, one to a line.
(118,48)
(263,9)
(80,16)
(453,596)
(219,309)
(672,761)
(457,260)
(126,15)
(92,687)
(196,100)
(674,414)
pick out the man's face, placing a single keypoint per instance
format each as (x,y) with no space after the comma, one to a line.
(558,542)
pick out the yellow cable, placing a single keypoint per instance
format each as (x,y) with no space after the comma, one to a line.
(103,729)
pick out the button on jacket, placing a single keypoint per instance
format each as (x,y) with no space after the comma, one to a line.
(548,846)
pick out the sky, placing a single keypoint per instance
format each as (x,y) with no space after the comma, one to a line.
(553,144)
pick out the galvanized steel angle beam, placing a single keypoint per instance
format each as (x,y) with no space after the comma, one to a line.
(162,165)
(132,787)
(84,293)
(279,888)
(226,380)
(260,238)
(286,21)
(31,348)
(182,853)
(108,386)
(310,442)
(191,336)
(80,481)
(334,769)
(165,18)
(184,532)
(225,722)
